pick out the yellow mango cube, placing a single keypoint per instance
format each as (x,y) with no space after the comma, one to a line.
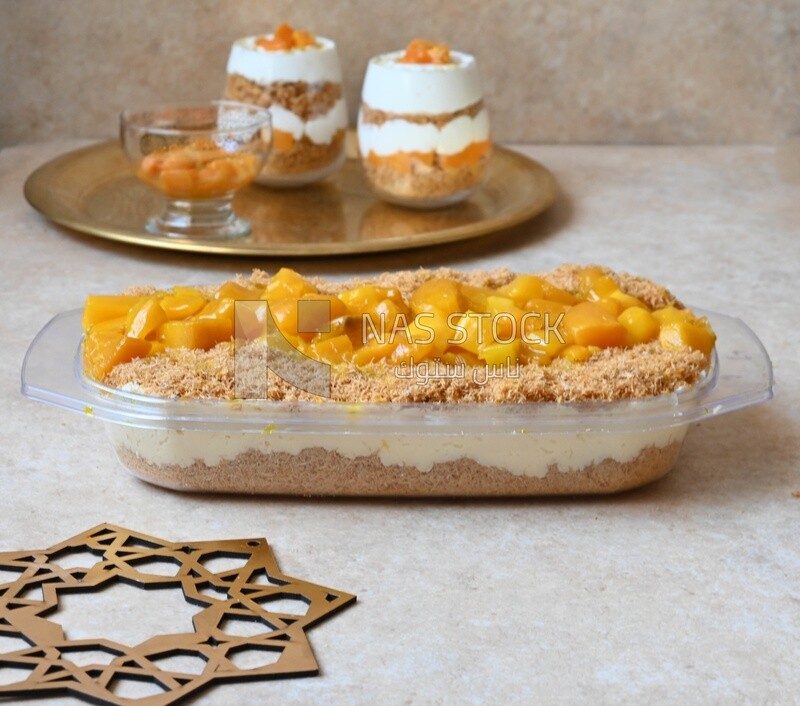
(587,276)
(145,318)
(476,297)
(612,306)
(409,353)
(333,351)
(382,319)
(182,303)
(437,294)
(542,314)
(287,283)
(495,304)
(221,317)
(696,335)
(104,348)
(589,324)
(575,353)
(364,298)
(284,314)
(118,325)
(238,292)
(201,334)
(641,325)
(467,332)
(500,354)
(671,314)
(102,308)
(532,355)
(626,300)
(315,313)
(457,356)
(602,287)
(523,288)
(435,328)
(372,352)
(544,344)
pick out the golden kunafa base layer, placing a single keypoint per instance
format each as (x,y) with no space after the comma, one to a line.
(290,156)
(424,181)
(643,370)
(319,472)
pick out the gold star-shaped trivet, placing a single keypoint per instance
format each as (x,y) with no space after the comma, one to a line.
(244,593)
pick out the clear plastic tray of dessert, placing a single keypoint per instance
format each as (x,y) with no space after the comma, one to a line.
(423,129)
(425,383)
(298,77)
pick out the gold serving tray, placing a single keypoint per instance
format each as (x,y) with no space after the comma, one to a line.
(93,190)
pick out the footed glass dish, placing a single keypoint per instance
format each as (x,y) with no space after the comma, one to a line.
(197,155)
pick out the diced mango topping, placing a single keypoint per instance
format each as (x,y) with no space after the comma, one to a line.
(423,51)
(198,170)
(287,38)
(527,321)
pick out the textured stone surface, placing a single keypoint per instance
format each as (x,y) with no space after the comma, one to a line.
(683,592)
(687,71)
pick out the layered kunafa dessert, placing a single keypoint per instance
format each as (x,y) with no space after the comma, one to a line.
(414,361)
(423,129)
(299,78)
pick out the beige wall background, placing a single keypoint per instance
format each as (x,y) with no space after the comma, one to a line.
(623,71)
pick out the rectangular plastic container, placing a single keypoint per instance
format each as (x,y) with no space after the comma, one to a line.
(417,449)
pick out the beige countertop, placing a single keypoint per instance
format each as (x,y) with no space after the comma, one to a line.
(686,591)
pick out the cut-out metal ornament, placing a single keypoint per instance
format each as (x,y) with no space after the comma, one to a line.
(50,663)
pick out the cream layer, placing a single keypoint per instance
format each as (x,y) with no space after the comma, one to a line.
(311,64)
(398,135)
(320,130)
(421,88)
(527,454)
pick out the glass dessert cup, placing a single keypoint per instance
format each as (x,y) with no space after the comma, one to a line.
(197,155)
(302,89)
(423,130)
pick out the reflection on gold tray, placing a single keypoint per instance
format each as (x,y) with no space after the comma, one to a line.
(93,190)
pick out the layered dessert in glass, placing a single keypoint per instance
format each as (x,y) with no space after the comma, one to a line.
(298,77)
(423,129)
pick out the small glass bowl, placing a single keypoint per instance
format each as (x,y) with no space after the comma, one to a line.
(198,155)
